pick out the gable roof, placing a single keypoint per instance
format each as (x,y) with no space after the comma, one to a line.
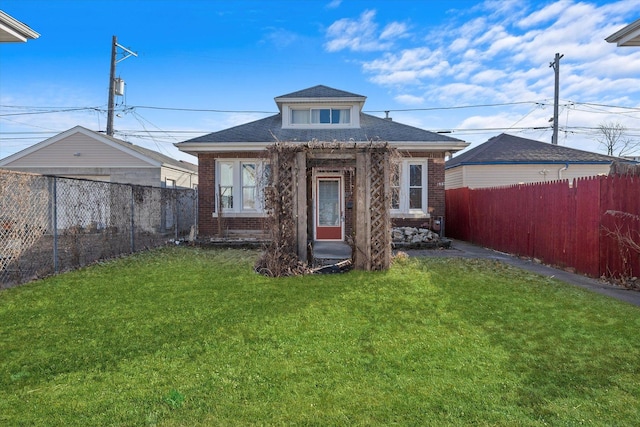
(319,94)
(320,91)
(159,157)
(627,36)
(12,30)
(150,156)
(508,149)
(269,130)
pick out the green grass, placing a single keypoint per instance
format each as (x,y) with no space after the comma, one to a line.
(185,336)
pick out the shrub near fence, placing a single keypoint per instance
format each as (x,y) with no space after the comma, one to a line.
(591,226)
(51,224)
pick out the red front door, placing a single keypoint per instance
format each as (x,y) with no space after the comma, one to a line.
(329,209)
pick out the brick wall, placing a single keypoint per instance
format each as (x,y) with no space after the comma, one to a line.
(206,194)
(208,224)
(435,187)
(435,171)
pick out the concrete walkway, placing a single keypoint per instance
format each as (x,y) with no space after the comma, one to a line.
(330,250)
(467,250)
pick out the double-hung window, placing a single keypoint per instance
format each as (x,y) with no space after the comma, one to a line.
(240,185)
(249,185)
(225,188)
(409,187)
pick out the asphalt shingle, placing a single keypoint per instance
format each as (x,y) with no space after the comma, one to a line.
(372,128)
(509,149)
(321,91)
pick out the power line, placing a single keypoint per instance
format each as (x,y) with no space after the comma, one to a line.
(50,111)
(202,110)
(53,109)
(138,133)
(458,107)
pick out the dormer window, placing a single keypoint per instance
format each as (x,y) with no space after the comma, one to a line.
(320,116)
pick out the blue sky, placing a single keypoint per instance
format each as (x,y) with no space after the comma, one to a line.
(476,69)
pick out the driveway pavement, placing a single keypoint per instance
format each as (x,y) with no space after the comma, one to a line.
(467,250)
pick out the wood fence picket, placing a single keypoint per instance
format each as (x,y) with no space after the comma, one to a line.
(565,225)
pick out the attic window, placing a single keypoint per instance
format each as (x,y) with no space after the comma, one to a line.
(321,116)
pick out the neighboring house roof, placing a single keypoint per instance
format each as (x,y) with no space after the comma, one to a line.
(150,156)
(627,36)
(12,30)
(164,159)
(508,149)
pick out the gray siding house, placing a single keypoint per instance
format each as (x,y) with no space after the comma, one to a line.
(85,154)
(508,160)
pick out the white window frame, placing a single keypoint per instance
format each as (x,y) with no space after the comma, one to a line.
(404,178)
(238,186)
(287,116)
(318,123)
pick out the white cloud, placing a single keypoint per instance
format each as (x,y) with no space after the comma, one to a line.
(488,76)
(361,35)
(547,13)
(394,30)
(334,4)
(355,35)
(500,51)
(463,92)
(409,99)
(280,37)
(408,67)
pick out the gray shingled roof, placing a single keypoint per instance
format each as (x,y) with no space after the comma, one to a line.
(321,91)
(509,149)
(270,130)
(165,160)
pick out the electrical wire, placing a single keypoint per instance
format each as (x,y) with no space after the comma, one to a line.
(102,109)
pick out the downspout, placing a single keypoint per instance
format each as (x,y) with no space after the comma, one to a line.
(566,166)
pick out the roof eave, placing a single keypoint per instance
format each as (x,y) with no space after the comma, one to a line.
(359,100)
(441,146)
(627,36)
(19,31)
(531,162)
(194,148)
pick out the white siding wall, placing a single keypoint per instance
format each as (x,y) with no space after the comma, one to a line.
(453,178)
(136,176)
(92,154)
(481,176)
(183,179)
(80,156)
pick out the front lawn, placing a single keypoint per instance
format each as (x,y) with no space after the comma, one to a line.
(185,336)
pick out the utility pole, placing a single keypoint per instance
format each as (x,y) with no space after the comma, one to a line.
(556,97)
(112,80)
(112,86)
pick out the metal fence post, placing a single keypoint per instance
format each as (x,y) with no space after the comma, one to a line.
(176,211)
(133,246)
(54,223)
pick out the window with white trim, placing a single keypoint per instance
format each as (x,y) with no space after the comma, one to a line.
(241,185)
(320,116)
(409,187)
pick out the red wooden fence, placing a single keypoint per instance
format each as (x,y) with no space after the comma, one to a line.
(577,226)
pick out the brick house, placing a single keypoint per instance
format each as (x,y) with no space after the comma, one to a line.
(233,161)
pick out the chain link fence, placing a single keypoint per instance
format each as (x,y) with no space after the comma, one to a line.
(50,224)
